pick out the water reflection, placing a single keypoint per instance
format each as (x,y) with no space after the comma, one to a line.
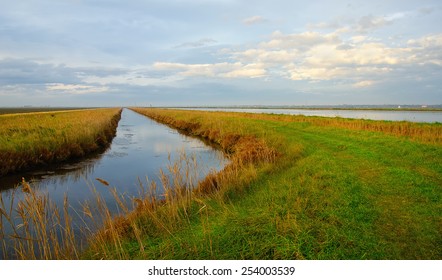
(55,175)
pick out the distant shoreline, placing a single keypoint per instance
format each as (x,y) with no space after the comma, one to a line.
(426,109)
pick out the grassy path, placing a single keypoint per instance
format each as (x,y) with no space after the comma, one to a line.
(332,193)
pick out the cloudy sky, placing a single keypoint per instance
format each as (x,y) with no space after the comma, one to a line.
(220,52)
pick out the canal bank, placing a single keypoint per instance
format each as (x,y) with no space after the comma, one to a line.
(133,161)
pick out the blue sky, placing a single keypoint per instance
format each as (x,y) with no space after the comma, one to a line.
(219,52)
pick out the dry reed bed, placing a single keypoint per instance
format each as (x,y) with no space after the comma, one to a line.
(33,139)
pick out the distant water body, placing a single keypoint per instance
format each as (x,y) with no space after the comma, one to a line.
(411,116)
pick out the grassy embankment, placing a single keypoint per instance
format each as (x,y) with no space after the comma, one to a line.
(32,139)
(16,110)
(298,188)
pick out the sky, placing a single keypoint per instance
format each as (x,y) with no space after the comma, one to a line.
(220,52)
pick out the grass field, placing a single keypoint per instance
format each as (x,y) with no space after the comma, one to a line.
(31,139)
(296,188)
(314,188)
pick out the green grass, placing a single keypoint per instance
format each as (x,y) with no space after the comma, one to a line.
(332,193)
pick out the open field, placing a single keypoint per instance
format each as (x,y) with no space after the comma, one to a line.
(29,140)
(311,189)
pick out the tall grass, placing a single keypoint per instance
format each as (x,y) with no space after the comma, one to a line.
(35,228)
(29,140)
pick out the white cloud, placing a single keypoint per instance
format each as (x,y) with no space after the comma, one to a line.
(196,44)
(427,41)
(76,88)
(362,25)
(335,24)
(358,39)
(265,56)
(247,71)
(360,60)
(254,20)
(363,84)
(396,16)
(316,56)
(133,78)
(316,73)
(426,50)
(299,41)
(224,69)
(368,23)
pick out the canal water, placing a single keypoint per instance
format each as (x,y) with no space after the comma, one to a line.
(411,116)
(140,149)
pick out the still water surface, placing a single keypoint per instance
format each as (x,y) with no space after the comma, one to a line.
(140,149)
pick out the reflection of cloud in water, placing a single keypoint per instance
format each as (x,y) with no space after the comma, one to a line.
(116,154)
(161,148)
(196,144)
(121,142)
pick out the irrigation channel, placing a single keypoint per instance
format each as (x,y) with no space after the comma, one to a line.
(140,149)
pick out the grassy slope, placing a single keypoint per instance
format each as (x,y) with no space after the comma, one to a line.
(31,139)
(333,193)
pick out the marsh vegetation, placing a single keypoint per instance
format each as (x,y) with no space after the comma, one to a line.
(30,140)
